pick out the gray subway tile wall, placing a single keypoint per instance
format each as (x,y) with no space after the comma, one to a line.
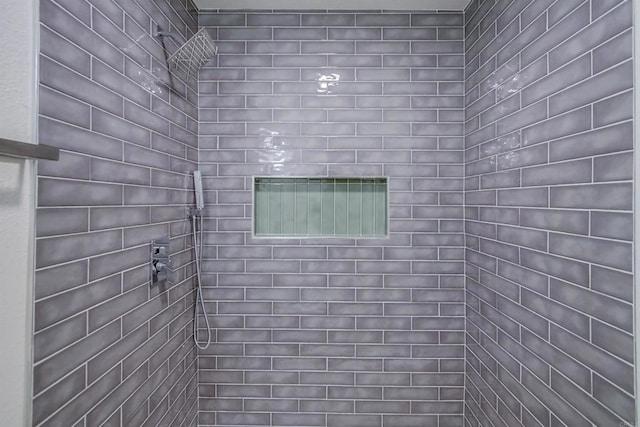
(548,208)
(502,297)
(335,332)
(108,348)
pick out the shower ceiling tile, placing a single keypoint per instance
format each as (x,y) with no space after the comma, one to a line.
(334,4)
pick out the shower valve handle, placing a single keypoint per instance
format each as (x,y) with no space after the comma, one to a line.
(160,260)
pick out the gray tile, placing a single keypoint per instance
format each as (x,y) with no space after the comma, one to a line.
(526,36)
(550,399)
(51,222)
(612,110)
(113,217)
(574,172)
(611,368)
(275,47)
(440,19)
(440,47)
(55,338)
(617,167)
(116,353)
(69,165)
(328,47)
(613,398)
(593,35)
(529,197)
(247,61)
(376,407)
(536,365)
(81,404)
(103,410)
(57,48)
(67,26)
(611,282)
(234,221)
(382,20)
(244,88)
(566,269)
(576,222)
(57,396)
(244,33)
(571,123)
(603,196)
(599,306)
(612,340)
(240,418)
(612,225)
(56,279)
(272,19)
(78,86)
(500,215)
(145,118)
(522,79)
(118,128)
(526,116)
(58,366)
(135,12)
(104,28)
(497,43)
(215,74)
(107,171)
(221,19)
(409,33)
(354,33)
(569,319)
(612,52)
(300,34)
(490,110)
(500,180)
(58,106)
(320,19)
(110,10)
(56,250)
(145,196)
(570,23)
(610,82)
(617,137)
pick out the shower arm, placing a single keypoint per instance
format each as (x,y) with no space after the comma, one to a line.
(159,33)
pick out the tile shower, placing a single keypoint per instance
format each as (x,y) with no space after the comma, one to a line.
(502,296)
(335,331)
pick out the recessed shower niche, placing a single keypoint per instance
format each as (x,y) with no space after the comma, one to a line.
(320,207)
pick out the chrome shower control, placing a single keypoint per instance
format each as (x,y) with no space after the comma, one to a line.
(160,261)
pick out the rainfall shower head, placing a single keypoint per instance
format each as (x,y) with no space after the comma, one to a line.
(191,56)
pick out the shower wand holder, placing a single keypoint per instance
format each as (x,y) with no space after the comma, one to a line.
(193,211)
(160,261)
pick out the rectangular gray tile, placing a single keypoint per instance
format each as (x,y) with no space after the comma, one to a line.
(608,83)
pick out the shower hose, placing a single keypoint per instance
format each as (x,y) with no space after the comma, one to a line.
(197,246)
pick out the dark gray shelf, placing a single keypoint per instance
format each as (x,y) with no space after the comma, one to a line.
(23,150)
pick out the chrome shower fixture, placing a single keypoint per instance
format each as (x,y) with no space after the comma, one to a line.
(160,261)
(197,228)
(160,33)
(191,56)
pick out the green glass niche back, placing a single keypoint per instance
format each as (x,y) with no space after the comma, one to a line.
(320,207)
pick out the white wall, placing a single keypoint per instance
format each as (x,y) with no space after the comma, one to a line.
(636,207)
(18,29)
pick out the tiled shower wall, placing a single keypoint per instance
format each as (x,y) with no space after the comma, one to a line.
(337,332)
(548,208)
(108,347)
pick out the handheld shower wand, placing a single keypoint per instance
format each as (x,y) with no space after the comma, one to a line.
(197,217)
